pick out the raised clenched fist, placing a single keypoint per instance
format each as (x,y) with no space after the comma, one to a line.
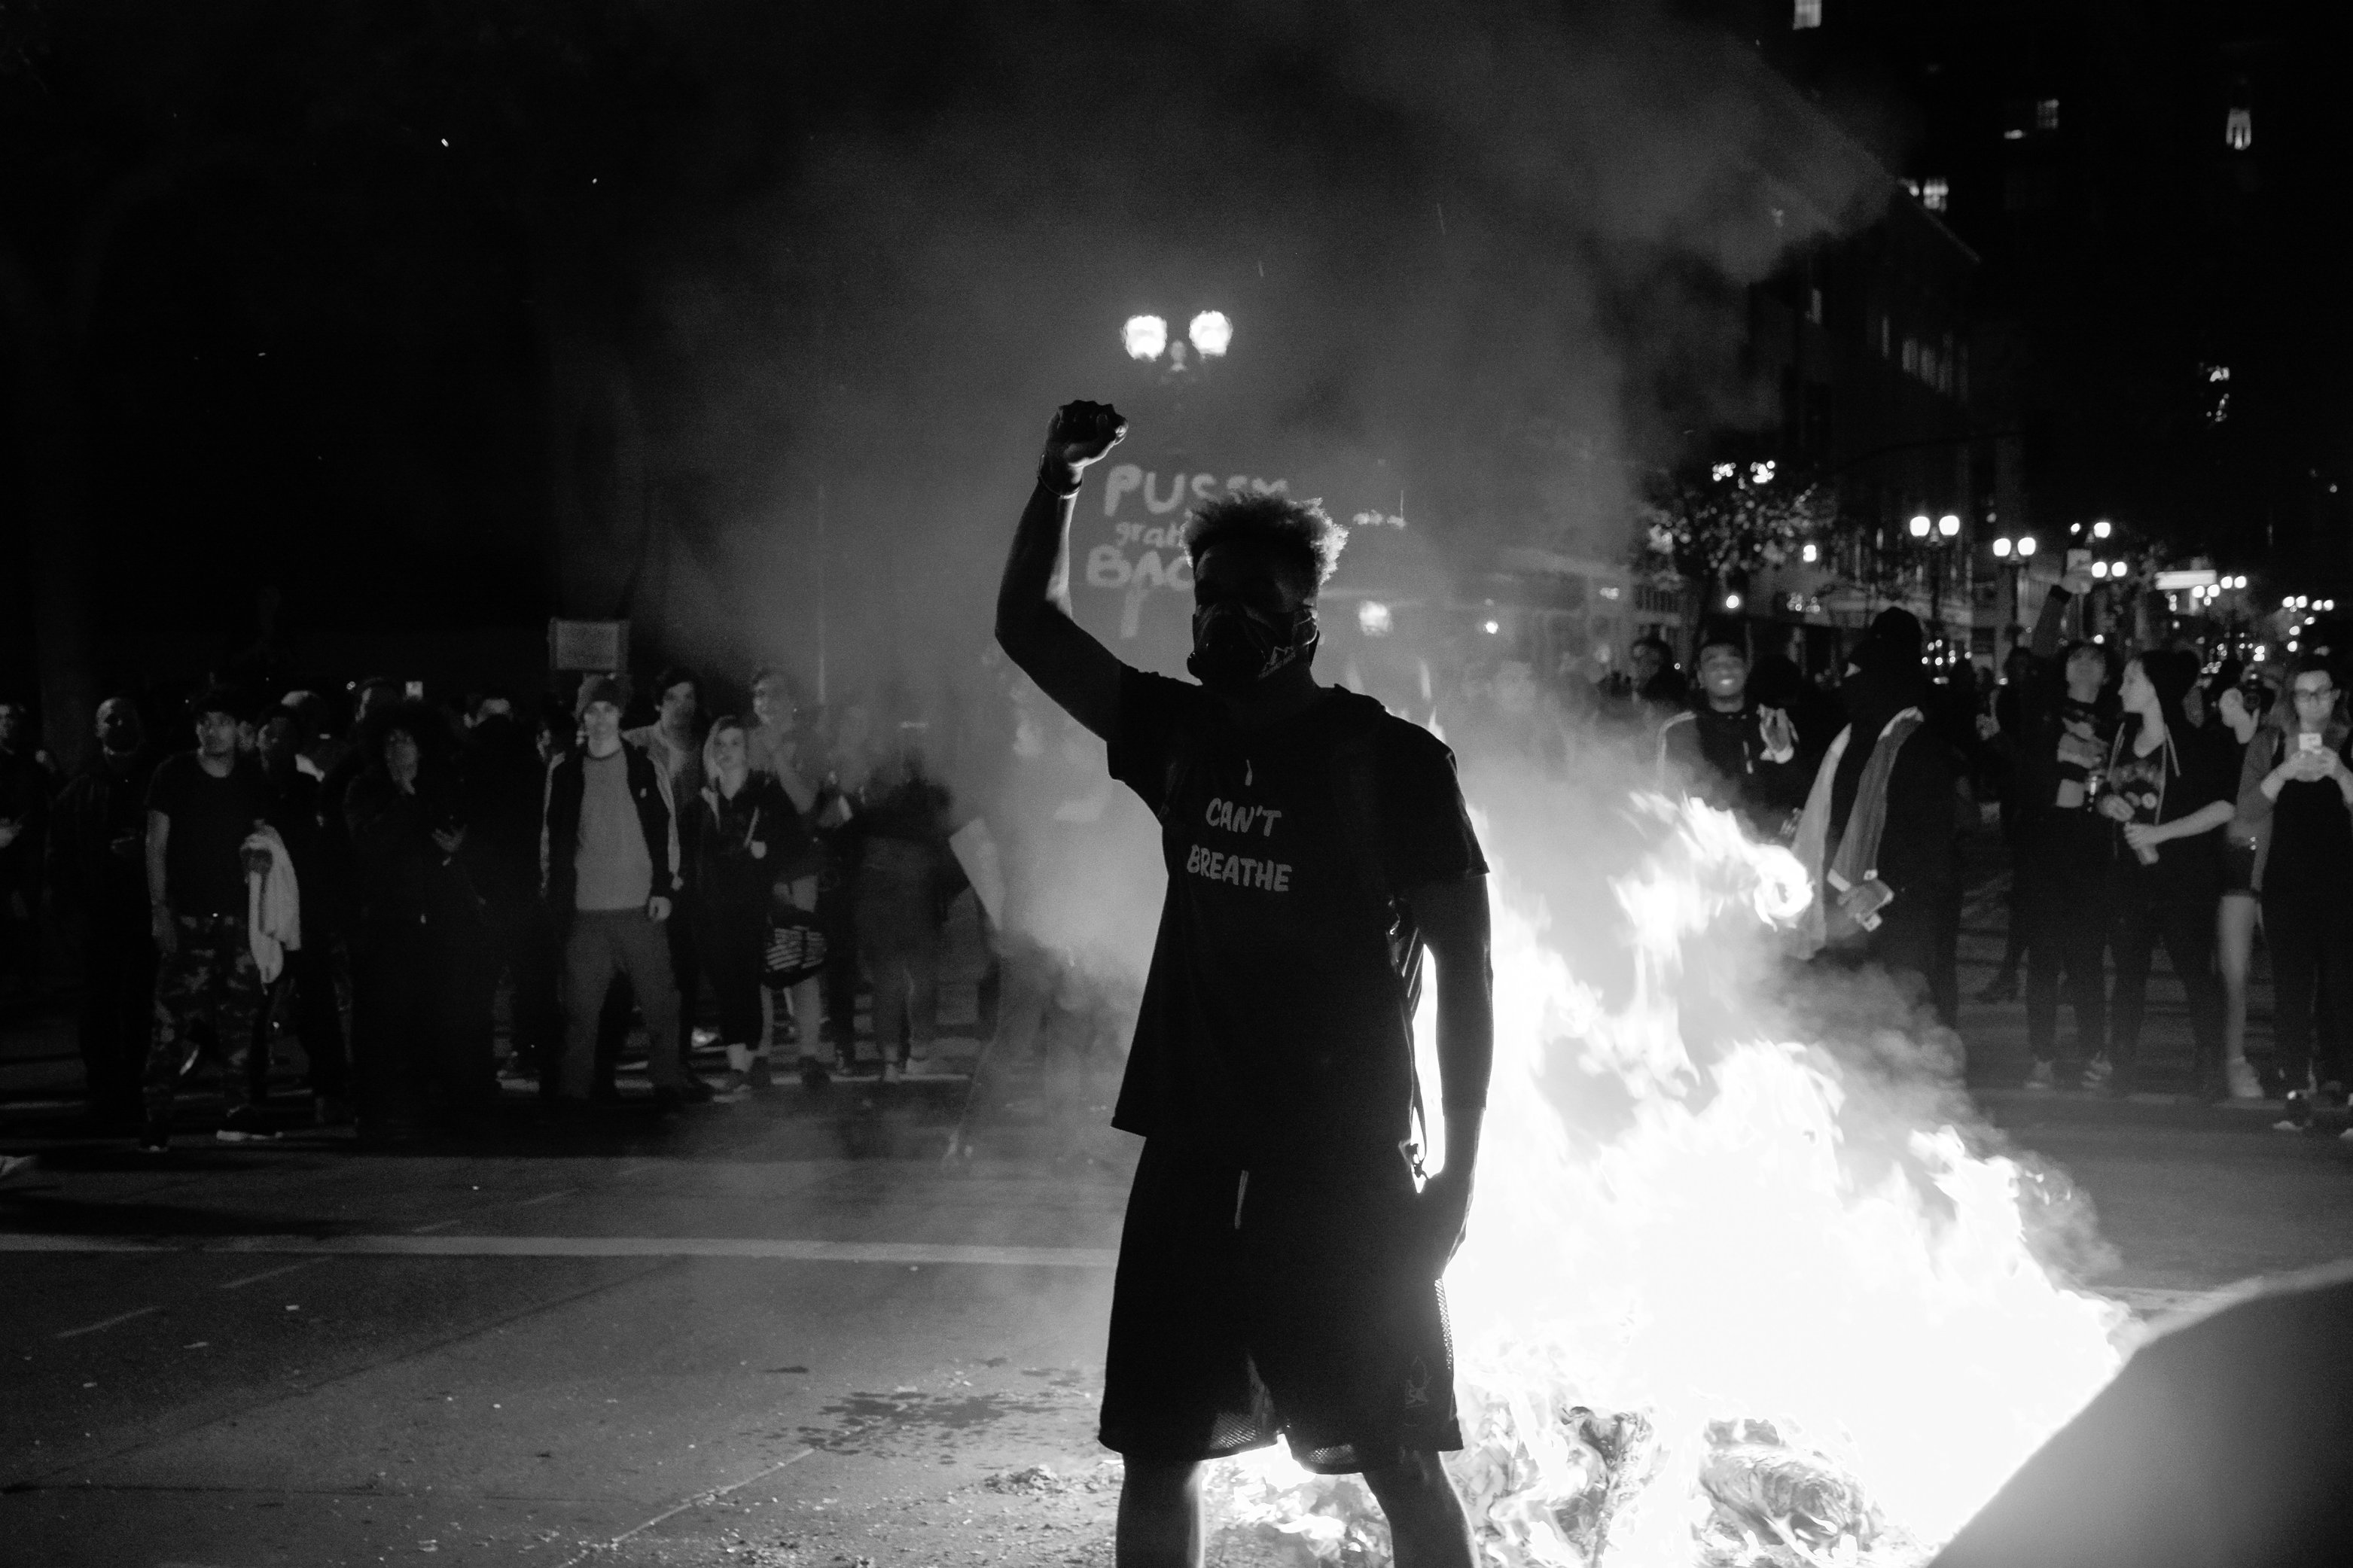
(1082,432)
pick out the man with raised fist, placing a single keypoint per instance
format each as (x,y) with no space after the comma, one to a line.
(1278,1269)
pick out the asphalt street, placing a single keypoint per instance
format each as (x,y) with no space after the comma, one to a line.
(785,1332)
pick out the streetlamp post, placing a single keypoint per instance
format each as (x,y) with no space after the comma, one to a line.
(1946,529)
(2013,554)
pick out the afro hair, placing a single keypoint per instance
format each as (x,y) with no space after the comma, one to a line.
(1296,532)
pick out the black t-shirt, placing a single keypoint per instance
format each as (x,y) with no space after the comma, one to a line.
(2186,774)
(204,872)
(1276,1027)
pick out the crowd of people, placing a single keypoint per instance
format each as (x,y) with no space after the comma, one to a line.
(376,879)
(758,874)
(2144,798)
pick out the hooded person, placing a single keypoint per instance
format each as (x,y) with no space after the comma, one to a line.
(1728,747)
(1878,828)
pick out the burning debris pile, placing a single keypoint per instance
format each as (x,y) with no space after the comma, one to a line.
(1725,1335)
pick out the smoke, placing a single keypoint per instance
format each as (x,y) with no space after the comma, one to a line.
(1481,261)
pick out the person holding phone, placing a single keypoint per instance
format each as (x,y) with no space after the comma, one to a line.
(2296,783)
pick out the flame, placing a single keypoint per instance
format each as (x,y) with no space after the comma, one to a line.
(1720,1335)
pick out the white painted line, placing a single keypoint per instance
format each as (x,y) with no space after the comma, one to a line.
(546,1197)
(107,1323)
(414,1245)
(437,1224)
(697,1500)
(269,1274)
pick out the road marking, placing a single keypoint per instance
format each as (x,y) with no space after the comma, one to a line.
(107,1323)
(437,1224)
(412,1246)
(269,1274)
(547,1198)
(695,1501)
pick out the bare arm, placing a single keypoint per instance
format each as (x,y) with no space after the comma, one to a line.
(165,930)
(1033,604)
(1452,916)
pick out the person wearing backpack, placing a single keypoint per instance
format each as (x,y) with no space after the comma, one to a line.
(1278,1269)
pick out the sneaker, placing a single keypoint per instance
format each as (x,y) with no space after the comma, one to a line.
(695,1091)
(157,1138)
(2239,1076)
(16,1168)
(332,1110)
(736,1086)
(759,1076)
(2299,1112)
(2041,1078)
(890,1071)
(245,1125)
(2000,988)
(2097,1073)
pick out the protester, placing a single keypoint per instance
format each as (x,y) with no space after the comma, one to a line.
(1729,751)
(849,762)
(2239,709)
(2066,718)
(25,791)
(610,859)
(417,943)
(675,743)
(98,866)
(505,780)
(2295,790)
(904,866)
(2006,717)
(775,746)
(203,809)
(2169,792)
(1878,833)
(748,840)
(1277,1272)
(282,746)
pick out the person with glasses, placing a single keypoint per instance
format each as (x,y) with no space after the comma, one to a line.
(2295,783)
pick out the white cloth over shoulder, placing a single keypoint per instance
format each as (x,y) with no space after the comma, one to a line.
(273,906)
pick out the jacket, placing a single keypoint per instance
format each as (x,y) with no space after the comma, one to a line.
(744,846)
(273,918)
(559,837)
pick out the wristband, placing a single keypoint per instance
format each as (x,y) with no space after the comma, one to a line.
(1055,475)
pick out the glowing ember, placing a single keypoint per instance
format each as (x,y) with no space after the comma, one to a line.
(1763,1322)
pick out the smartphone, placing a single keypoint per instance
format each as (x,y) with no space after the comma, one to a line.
(2307,741)
(415,690)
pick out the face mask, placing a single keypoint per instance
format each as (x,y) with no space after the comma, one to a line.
(1232,652)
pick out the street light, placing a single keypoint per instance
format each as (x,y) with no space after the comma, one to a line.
(1811,554)
(2099,568)
(1145,337)
(1949,526)
(1920,526)
(1210,333)
(2026,544)
(2100,529)
(2001,548)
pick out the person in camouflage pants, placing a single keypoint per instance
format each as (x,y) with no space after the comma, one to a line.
(210,980)
(202,807)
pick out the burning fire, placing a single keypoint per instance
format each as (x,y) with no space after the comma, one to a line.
(1725,1335)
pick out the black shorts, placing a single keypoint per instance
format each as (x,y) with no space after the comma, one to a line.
(1287,1305)
(2238,867)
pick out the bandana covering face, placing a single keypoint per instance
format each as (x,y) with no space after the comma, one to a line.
(1232,651)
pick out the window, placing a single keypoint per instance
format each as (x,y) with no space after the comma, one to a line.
(2238,129)
(1886,336)
(1936,194)
(2046,114)
(1804,14)
(1814,306)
